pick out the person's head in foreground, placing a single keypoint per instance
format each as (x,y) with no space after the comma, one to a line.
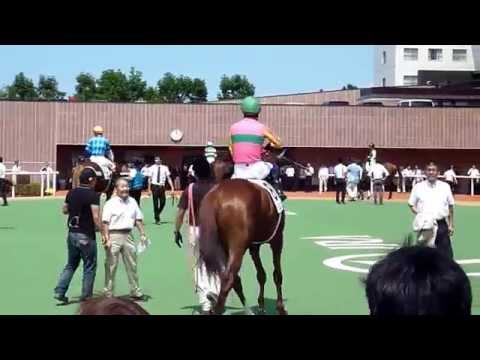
(111,306)
(250,107)
(417,280)
(88,178)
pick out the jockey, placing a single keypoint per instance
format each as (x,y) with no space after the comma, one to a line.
(247,137)
(372,156)
(98,151)
(210,152)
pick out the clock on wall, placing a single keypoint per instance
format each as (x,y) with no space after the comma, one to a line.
(176,135)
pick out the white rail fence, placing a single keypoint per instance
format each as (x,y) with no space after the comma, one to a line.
(48,181)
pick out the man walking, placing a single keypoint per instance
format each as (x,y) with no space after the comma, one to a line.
(406,178)
(3,182)
(82,207)
(156,186)
(354,174)
(432,202)
(322,179)
(451,178)
(340,173)
(378,174)
(136,179)
(120,214)
(207,287)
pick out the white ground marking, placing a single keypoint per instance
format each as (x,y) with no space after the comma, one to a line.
(290,213)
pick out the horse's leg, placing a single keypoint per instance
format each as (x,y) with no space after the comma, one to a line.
(227,281)
(276,246)
(237,286)
(261,276)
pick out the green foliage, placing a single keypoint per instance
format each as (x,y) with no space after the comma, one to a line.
(48,88)
(86,88)
(22,88)
(136,86)
(235,87)
(112,86)
(181,89)
(32,189)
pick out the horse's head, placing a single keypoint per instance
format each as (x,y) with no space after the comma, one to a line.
(222,168)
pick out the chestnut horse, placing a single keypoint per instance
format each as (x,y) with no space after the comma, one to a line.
(236,216)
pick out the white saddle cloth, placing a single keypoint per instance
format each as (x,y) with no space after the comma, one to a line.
(271,191)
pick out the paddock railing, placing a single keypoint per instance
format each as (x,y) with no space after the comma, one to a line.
(48,181)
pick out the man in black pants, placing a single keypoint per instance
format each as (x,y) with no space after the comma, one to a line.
(3,182)
(340,183)
(432,197)
(82,205)
(156,186)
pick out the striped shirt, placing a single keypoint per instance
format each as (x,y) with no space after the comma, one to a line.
(97,146)
(247,136)
(159,174)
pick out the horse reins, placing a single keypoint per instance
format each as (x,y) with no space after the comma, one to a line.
(274,231)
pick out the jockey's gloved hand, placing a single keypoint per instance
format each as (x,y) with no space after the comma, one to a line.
(178,238)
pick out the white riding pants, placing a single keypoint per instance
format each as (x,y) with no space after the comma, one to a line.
(106,165)
(258,170)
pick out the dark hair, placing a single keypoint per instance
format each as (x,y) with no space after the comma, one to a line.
(418,280)
(340,160)
(111,306)
(431,163)
(1,159)
(201,167)
(86,176)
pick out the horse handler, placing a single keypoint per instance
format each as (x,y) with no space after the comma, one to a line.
(207,287)
(120,214)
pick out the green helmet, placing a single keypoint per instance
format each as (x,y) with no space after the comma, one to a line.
(250,105)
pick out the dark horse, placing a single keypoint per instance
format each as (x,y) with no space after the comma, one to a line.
(237,216)
(103,185)
(391,182)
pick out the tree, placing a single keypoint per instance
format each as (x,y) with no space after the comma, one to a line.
(349,87)
(151,94)
(86,88)
(235,87)
(112,86)
(136,86)
(181,89)
(48,88)
(4,92)
(22,88)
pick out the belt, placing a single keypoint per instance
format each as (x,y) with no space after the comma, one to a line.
(158,185)
(123,231)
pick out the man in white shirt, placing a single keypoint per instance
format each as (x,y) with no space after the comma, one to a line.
(48,178)
(451,178)
(378,174)
(15,170)
(406,173)
(3,184)
(120,214)
(290,177)
(433,197)
(418,173)
(309,171)
(354,175)
(322,178)
(474,174)
(340,172)
(159,174)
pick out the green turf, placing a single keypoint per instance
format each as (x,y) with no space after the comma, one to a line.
(33,254)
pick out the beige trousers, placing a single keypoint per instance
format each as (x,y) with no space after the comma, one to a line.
(122,244)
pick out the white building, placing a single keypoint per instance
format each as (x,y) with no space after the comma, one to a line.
(398,65)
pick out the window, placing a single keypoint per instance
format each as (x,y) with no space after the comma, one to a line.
(459,55)
(410,80)
(435,54)
(410,54)
(384,82)
(384,57)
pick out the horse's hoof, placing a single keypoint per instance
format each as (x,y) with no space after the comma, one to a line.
(282,312)
(248,311)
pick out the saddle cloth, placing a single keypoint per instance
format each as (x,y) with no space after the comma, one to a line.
(271,191)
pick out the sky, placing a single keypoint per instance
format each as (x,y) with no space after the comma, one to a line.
(272,69)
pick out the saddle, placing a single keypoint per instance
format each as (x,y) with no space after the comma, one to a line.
(271,192)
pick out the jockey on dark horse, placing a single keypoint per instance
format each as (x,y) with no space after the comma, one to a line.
(98,151)
(247,137)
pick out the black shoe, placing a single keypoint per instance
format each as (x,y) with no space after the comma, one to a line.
(157,222)
(62,299)
(5,204)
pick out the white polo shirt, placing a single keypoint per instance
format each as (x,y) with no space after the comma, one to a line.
(449,175)
(323,172)
(159,174)
(432,199)
(3,170)
(378,172)
(290,172)
(473,173)
(340,171)
(120,214)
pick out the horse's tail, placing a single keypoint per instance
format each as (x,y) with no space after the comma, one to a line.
(211,250)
